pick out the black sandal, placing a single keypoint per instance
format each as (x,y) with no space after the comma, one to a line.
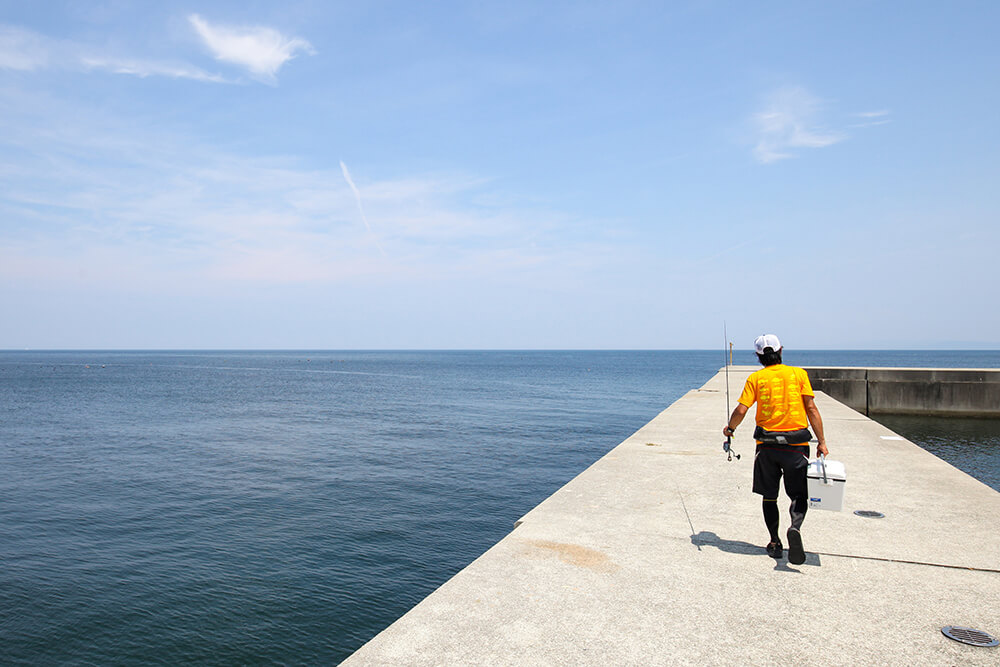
(775,549)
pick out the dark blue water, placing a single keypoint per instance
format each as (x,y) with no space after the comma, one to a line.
(284,507)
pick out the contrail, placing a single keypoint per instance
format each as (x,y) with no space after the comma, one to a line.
(361,209)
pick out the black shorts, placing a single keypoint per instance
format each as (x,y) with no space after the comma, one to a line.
(770,464)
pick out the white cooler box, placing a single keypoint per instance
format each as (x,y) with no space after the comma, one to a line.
(828,494)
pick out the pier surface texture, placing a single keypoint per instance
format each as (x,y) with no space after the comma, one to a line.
(654,556)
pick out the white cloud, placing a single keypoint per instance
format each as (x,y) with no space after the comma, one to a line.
(872,114)
(261,50)
(790,121)
(89,199)
(143,69)
(357,197)
(22,49)
(25,50)
(872,118)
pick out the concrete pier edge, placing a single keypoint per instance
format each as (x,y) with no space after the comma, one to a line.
(653,556)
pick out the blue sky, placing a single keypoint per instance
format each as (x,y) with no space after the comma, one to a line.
(498,175)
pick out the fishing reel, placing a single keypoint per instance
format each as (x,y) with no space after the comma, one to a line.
(727,447)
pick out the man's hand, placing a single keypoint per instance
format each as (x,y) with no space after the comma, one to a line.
(728,432)
(821,450)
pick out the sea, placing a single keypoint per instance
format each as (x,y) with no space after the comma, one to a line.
(268,507)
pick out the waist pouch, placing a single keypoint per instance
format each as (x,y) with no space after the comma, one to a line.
(765,437)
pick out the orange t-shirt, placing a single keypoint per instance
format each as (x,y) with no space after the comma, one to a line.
(778,391)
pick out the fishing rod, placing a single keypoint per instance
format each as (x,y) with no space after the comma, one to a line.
(727,446)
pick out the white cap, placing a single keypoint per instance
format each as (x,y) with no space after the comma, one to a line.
(767,341)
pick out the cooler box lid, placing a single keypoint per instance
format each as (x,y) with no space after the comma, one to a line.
(834,470)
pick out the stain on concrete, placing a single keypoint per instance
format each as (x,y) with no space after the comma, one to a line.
(574,554)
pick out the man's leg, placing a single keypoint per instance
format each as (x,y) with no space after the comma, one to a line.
(771,517)
(795,468)
(771,520)
(798,511)
(766,478)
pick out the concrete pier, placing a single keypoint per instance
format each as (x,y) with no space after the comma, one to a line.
(939,392)
(654,556)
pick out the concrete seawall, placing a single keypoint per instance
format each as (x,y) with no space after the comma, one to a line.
(654,556)
(942,392)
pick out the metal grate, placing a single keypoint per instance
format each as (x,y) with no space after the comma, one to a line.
(969,636)
(869,514)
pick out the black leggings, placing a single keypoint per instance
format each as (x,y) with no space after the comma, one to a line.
(770,466)
(797,510)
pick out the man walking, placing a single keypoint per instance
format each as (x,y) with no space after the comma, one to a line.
(785,409)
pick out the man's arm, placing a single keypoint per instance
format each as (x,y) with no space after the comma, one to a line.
(735,419)
(816,421)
